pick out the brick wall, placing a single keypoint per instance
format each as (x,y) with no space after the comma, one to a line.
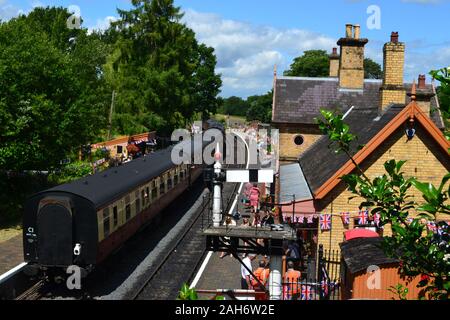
(392,90)
(425,160)
(388,97)
(334,67)
(351,73)
(288,149)
(394,60)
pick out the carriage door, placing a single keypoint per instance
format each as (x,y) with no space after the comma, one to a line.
(54,223)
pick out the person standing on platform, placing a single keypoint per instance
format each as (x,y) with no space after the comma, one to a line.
(229,222)
(246,277)
(268,219)
(292,286)
(262,274)
(254,197)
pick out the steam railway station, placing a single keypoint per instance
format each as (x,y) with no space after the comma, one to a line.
(278,226)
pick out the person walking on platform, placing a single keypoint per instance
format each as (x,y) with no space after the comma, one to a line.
(292,286)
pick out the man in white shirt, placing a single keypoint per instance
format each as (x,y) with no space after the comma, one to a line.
(246,278)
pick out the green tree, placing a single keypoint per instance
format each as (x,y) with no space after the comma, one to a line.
(206,83)
(260,108)
(234,106)
(443,76)
(421,251)
(372,70)
(313,63)
(162,76)
(316,63)
(51,98)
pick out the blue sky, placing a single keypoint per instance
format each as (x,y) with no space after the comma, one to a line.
(251,36)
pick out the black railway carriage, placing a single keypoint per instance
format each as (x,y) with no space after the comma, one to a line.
(83,222)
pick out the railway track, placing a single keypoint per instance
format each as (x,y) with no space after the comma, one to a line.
(182,262)
(175,267)
(33,293)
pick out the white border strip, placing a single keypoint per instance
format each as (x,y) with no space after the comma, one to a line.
(12,272)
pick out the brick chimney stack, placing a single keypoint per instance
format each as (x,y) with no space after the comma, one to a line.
(423,95)
(351,65)
(392,90)
(334,63)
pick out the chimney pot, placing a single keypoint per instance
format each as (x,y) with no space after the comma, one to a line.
(349,30)
(422,81)
(357,31)
(334,51)
(394,37)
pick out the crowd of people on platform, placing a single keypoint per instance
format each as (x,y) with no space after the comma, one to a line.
(295,252)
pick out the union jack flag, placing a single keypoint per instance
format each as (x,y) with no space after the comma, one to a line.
(325,282)
(325,285)
(307,292)
(377,219)
(432,226)
(325,222)
(345,216)
(363,217)
(443,229)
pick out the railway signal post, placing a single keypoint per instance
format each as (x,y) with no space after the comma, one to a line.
(217,195)
(238,240)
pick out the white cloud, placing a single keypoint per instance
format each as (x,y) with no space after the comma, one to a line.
(423,62)
(102,24)
(424,1)
(247,53)
(7,10)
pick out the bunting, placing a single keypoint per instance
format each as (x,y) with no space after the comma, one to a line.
(345,216)
(325,222)
(377,219)
(307,292)
(363,217)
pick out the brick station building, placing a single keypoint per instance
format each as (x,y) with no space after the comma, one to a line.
(378,112)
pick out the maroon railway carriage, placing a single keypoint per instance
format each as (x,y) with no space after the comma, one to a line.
(83,222)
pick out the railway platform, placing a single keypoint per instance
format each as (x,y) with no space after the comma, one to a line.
(11,253)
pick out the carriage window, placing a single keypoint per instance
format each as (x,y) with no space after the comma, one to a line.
(175,180)
(106,223)
(147,194)
(138,202)
(154,193)
(128,212)
(119,149)
(169,183)
(162,188)
(115,216)
(181,175)
(143,197)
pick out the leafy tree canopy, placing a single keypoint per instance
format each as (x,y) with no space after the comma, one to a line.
(443,76)
(260,108)
(316,63)
(52,93)
(313,63)
(162,76)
